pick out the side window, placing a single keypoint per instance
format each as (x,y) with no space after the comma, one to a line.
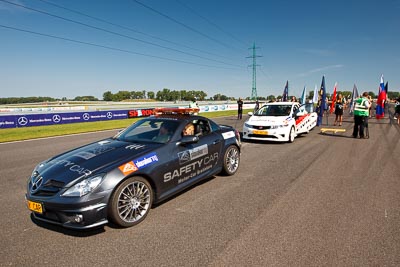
(213,126)
(202,128)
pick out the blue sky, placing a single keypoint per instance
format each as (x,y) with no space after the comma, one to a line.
(135,45)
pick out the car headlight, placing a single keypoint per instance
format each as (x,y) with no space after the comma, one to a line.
(84,187)
(247,125)
(277,126)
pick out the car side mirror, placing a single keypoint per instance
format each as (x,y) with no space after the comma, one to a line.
(250,113)
(188,139)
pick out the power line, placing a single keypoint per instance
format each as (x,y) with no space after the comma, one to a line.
(211,23)
(115,33)
(183,24)
(128,28)
(109,47)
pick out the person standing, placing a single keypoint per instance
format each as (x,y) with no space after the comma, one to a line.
(361,114)
(339,106)
(257,106)
(240,108)
(397,110)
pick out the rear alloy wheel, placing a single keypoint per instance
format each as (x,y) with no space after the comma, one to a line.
(291,135)
(131,202)
(231,160)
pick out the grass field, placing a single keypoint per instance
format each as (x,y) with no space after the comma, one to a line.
(26,133)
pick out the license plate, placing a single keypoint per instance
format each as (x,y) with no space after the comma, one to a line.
(260,132)
(35,207)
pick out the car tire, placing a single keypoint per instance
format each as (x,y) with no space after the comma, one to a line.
(231,160)
(291,135)
(131,202)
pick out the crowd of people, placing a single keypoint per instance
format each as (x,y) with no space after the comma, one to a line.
(361,109)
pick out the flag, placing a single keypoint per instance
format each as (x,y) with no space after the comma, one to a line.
(321,102)
(285,96)
(303,96)
(354,96)
(380,104)
(315,96)
(333,98)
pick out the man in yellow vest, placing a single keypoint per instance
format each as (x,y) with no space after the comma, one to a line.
(361,114)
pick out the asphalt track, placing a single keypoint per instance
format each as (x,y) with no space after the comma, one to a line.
(324,200)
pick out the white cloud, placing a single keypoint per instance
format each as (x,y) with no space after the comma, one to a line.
(337,66)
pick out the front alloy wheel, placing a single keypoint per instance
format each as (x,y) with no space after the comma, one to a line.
(291,135)
(131,202)
(231,160)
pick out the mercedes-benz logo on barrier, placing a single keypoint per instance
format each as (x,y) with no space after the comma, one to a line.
(109,115)
(36,183)
(86,116)
(56,118)
(22,121)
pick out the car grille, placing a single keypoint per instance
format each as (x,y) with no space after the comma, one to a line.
(49,188)
(260,127)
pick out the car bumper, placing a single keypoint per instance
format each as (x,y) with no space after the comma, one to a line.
(278,135)
(78,215)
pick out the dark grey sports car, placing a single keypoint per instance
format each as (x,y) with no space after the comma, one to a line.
(119,178)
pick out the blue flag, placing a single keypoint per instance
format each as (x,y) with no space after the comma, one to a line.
(322,105)
(285,96)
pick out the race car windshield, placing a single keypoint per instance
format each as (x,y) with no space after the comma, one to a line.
(149,131)
(274,110)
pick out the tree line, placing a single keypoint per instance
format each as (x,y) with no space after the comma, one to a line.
(166,95)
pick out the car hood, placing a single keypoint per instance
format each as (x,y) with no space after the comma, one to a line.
(90,159)
(268,120)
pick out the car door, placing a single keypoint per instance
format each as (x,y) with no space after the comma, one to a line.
(192,161)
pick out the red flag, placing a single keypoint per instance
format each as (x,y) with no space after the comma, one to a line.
(380,103)
(333,99)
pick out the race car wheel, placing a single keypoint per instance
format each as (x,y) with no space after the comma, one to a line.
(231,160)
(291,135)
(131,202)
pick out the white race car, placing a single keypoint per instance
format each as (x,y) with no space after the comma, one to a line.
(279,121)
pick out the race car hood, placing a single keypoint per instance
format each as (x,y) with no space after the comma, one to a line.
(89,159)
(268,120)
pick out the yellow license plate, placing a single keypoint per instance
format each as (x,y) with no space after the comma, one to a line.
(260,132)
(35,207)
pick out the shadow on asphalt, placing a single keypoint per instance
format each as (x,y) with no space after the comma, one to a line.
(66,231)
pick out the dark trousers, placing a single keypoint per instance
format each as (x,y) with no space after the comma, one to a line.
(360,122)
(240,111)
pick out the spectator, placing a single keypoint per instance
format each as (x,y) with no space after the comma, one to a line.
(361,113)
(397,110)
(240,108)
(257,106)
(339,107)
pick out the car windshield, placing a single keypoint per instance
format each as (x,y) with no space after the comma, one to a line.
(274,110)
(149,131)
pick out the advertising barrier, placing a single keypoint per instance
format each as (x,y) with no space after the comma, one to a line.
(28,120)
(41,119)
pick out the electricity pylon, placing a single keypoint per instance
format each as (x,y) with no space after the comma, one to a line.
(254,86)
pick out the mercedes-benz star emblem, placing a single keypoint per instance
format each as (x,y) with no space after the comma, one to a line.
(86,116)
(56,118)
(22,121)
(36,183)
